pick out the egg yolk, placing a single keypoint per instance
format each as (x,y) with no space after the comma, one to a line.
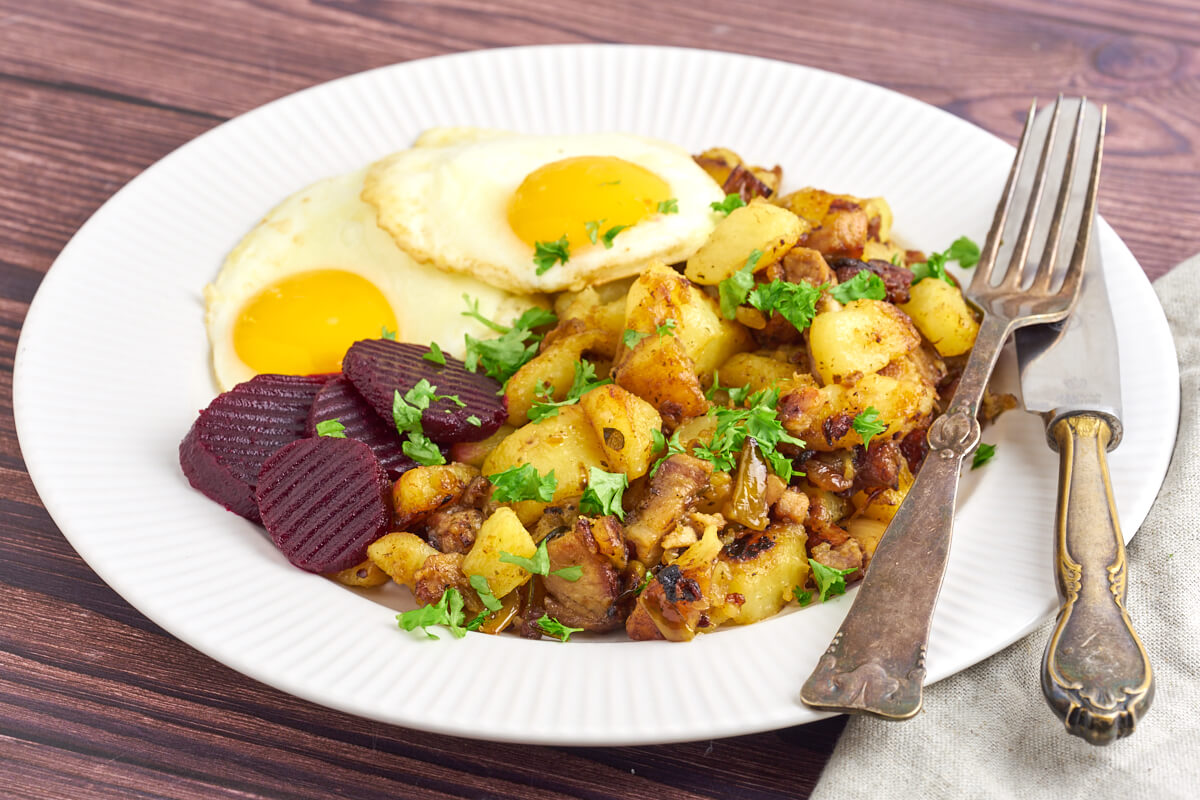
(571,196)
(303,324)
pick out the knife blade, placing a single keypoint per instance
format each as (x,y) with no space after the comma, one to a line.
(1096,674)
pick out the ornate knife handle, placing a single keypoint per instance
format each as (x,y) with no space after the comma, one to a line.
(876,662)
(1095,674)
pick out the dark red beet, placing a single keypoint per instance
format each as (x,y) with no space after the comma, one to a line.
(227,445)
(339,400)
(380,367)
(323,501)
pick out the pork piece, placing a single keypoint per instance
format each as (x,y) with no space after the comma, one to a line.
(323,501)
(339,400)
(673,492)
(227,445)
(442,571)
(821,520)
(877,468)
(832,471)
(914,447)
(745,184)
(803,264)
(792,506)
(846,555)
(590,602)
(843,230)
(672,606)
(555,521)
(379,368)
(453,530)
(896,280)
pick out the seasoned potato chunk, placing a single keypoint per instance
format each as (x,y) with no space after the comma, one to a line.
(554,366)
(764,567)
(422,490)
(362,575)
(502,532)
(860,338)
(400,554)
(942,315)
(660,372)
(755,370)
(624,423)
(758,226)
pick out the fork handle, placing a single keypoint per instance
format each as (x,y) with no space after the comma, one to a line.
(876,661)
(1095,674)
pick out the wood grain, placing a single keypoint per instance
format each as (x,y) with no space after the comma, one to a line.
(95,700)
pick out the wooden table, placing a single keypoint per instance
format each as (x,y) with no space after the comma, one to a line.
(97,701)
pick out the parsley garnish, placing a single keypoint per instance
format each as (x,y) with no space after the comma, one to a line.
(631,337)
(669,206)
(983,454)
(523,483)
(547,254)
(593,229)
(435,354)
(611,234)
(406,414)
(387,334)
(864,284)
(583,382)
(604,492)
(802,597)
(481,587)
(897,259)
(737,396)
(733,290)
(540,564)
(795,302)
(641,587)
(332,428)
(474,420)
(830,581)
(556,629)
(964,251)
(727,205)
(666,329)
(867,424)
(672,445)
(757,421)
(448,611)
(421,449)
(503,356)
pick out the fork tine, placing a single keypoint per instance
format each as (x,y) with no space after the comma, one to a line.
(1045,270)
(1074,275)
(987,259)
(1016,265)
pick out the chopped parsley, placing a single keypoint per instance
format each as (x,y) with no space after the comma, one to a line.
(481,587)
(667,328)
(547,254)
(795,302)
(727,205)
(421,449)
(737,395)
(604,492)
(668,206)
(631,337)
(897,259)
(448,611)
(867,424)
(539,564)
(983,454)
(733,290)
(963,250)
(593,229)
(523,483)
(474,420)
(830,581)
(758,420)
(332,428)
(864,285)
(385,333)
(672,446)
(803,597)
(406,414)
(610,234)
(435,354)
(584,381)
(556,629)
(503,356)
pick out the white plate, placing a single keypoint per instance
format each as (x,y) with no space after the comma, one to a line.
(112,367)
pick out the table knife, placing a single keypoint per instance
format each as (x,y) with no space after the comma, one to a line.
(1096,674)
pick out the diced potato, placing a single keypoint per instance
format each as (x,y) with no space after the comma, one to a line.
(942,315)
(757,226)
(839,222)
(623,422)
(501,532)
(718,162)
(764,569)
(400,554)
(755,370)
(877,207)
(422,490)
(883,251)
(364,575)
(804,409)
(590,307)
(661,296)
(555,366)
(867,532)
(882,505)
(660,372)
(565,443)
(860,338)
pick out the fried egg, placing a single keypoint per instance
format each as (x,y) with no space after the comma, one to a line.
(486,203)
(317,274)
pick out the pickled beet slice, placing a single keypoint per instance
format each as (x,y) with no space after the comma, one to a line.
(338,399)
(323,501)
(380,367)
(228,443)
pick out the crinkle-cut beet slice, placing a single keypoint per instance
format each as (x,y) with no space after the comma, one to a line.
(380,367)
(323,501)
(339,400)
(228,443)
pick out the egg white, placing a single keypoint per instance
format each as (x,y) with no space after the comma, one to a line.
(327,226)
(446,201)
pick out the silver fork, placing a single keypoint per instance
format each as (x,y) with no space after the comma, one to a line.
(876,661)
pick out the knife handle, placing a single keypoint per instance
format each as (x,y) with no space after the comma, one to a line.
(1095,673)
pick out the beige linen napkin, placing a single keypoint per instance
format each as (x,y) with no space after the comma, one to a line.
(987,732)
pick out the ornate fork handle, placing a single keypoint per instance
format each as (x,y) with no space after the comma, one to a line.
(876,661)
